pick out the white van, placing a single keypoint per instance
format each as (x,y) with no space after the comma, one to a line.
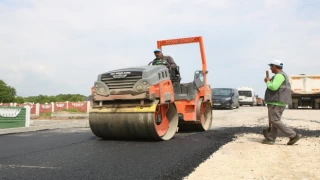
(247,96)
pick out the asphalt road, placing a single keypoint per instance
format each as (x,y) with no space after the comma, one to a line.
(76,153)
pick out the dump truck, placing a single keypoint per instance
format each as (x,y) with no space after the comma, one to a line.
(150,102)
(305,91)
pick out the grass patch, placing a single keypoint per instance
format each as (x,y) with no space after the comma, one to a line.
(71,110)
(45,114)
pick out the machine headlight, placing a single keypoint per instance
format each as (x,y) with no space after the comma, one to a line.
(139,88)
(227,99)
(142,86)
(101,88)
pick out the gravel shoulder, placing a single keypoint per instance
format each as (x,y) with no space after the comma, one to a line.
(246,158)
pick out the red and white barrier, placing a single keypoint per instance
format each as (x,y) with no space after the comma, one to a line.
(37,109)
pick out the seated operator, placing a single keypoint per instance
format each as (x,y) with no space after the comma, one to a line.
(160,57)
(169,63)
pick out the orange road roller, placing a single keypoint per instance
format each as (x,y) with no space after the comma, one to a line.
(149,102)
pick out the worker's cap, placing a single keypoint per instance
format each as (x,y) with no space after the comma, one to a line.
(157,50)
(276,62)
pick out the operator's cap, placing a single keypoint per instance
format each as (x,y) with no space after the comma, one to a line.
(276,62)
(157,50)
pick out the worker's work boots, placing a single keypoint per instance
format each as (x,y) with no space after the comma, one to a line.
(295,139)
(265,133)
(267,140)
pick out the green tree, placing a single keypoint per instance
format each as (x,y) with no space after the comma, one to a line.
(58,98)
(19,100)
(7,93)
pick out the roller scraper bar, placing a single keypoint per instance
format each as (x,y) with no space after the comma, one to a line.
(178,41)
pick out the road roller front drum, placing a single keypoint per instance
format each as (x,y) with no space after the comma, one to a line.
(137,124)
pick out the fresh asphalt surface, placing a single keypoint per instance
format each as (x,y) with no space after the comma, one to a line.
(76,153)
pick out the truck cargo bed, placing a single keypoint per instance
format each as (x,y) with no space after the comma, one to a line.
(305,91)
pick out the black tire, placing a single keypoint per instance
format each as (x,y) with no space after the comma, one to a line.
(231,106)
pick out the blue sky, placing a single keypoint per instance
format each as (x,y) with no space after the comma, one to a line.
(52,47)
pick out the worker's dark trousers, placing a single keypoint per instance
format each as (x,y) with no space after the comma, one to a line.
(275,113)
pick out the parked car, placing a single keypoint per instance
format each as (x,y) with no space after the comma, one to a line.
(225,98)
(247,96)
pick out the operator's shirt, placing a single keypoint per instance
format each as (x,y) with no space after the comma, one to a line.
(169,59)
(274,85)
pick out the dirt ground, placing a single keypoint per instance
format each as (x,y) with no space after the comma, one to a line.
(56,118)
(68,116)
(247,158)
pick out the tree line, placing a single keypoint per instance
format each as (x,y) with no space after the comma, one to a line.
(8,94)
